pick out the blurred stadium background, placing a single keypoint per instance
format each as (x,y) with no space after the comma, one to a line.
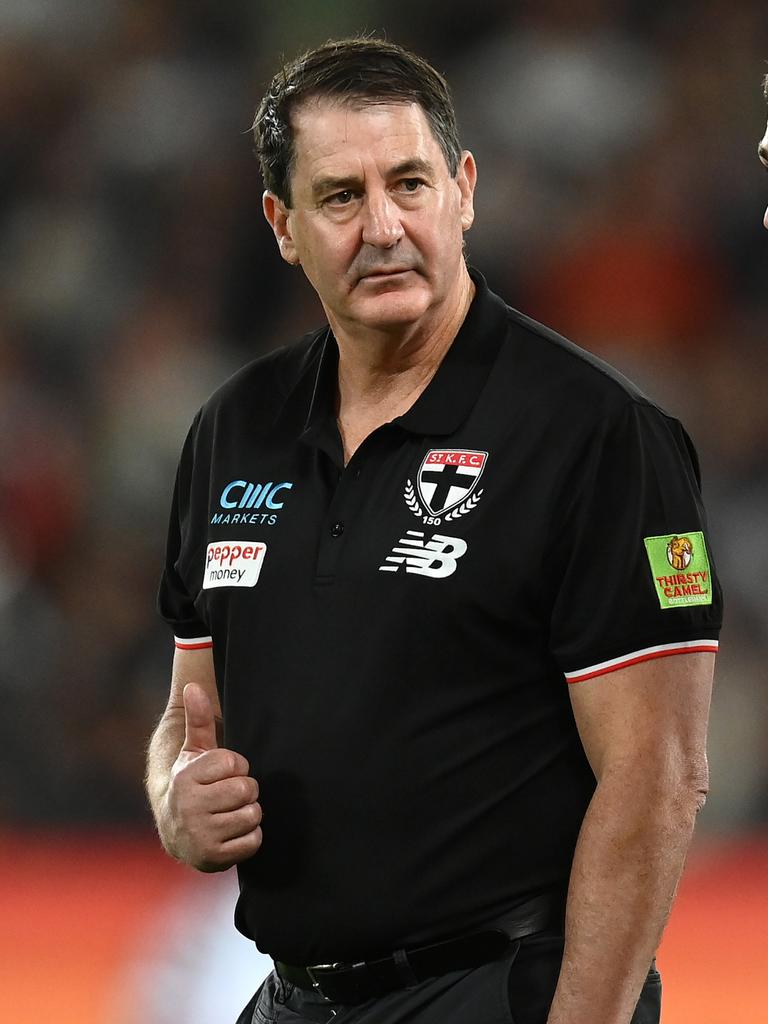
(620,201)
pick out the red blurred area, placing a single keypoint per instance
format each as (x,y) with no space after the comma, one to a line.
(78,909)
(75,908)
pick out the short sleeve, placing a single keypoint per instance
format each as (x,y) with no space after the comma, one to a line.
(632,569)
(175,603)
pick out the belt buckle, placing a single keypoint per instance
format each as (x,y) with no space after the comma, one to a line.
(315,982)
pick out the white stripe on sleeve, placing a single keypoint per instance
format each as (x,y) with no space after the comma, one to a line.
(646,654)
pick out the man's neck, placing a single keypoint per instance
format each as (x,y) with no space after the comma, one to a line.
(381,375)
(380,367)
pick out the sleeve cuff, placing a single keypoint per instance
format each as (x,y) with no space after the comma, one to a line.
(635,657)
(195,643)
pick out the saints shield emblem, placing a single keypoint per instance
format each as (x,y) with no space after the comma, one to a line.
(448,477)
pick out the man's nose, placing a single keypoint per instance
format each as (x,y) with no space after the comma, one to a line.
(381,220)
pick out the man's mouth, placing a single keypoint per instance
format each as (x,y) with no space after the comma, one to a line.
(384,272)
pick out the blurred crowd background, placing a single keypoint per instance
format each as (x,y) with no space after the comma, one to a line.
(620,201)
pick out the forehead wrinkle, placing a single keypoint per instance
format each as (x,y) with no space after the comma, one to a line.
(333,151)
(343,135)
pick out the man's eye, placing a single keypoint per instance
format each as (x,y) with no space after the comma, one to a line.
(341,198)
(411,184)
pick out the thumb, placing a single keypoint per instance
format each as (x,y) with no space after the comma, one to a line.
(199,722)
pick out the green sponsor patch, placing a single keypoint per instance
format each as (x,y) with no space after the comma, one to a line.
(680,569)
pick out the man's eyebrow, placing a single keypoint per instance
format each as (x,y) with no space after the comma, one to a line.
(413,166)
(321,186)
(328,183)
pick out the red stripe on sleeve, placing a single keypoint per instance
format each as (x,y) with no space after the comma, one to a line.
(709,648)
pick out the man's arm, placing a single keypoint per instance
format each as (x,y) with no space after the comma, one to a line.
(204,801)
(644,732)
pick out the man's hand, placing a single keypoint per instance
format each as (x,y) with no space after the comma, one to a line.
(210,816)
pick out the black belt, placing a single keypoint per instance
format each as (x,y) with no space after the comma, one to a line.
(356,982)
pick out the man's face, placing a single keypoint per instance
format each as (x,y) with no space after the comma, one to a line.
(763,154)
(377,220)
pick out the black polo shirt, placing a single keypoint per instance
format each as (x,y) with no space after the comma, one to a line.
(393,639)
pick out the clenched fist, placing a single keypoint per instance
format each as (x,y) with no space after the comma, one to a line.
(211,816)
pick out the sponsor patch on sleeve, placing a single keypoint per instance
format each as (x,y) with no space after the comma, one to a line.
(233,563)
(680,569)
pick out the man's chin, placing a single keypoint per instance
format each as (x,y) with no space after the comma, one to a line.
(392,309)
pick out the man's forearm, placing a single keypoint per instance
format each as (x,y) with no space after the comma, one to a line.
(164,747)
(628,861)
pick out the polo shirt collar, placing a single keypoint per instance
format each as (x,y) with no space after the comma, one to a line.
(451,394)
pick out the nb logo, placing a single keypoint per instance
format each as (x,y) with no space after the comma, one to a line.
(437,557)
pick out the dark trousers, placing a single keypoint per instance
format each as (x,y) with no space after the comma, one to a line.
(517,989)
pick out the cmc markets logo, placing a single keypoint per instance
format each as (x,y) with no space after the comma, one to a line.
(249,503)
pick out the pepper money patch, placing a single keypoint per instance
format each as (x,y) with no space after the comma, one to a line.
(680,569)
(233,563)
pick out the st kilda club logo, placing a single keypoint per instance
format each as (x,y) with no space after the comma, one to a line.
(446,485)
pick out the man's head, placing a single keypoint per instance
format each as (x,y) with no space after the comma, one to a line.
(366,186)
(357,72)
(762,149)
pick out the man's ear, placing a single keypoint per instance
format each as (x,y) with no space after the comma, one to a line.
(278,215)
(466,179)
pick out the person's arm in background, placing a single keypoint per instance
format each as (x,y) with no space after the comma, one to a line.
(204,802)
(644,731)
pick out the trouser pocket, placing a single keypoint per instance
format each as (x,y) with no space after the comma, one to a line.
(532,978)
(648,1009)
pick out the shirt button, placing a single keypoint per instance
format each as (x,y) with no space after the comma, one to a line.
(357,473)
(337,529)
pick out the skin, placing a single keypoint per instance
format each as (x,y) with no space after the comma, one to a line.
(376,224)
(204,801)
(644,731)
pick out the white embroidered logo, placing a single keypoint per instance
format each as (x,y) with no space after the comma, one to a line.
(437,557)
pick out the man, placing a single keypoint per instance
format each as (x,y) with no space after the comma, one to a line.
(393,547)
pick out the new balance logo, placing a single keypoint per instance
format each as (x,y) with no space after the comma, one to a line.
(437,557)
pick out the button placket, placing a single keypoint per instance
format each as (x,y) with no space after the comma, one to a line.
(347,501)
(336,525)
